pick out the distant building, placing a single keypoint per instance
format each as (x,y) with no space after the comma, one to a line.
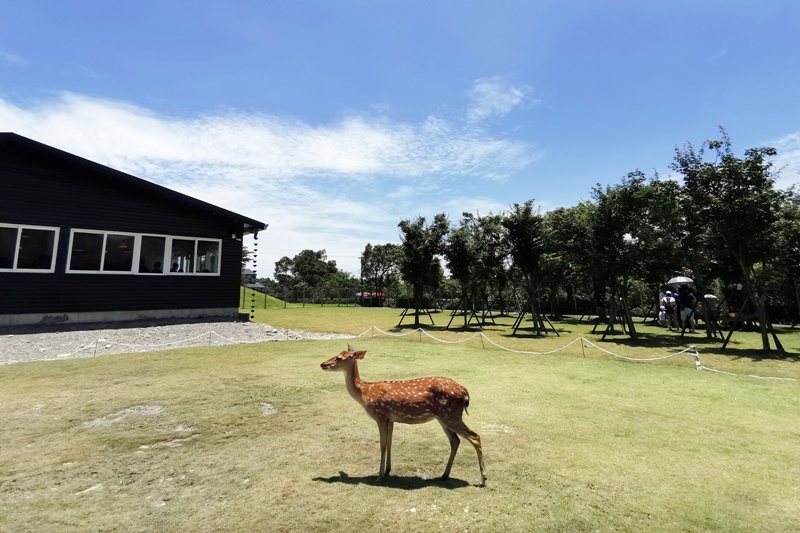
(82,242)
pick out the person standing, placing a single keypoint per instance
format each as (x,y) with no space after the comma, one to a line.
(686,303)
(668,303)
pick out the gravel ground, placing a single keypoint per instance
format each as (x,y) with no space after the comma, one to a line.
(39,343)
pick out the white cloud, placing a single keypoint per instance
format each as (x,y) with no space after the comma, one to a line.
(494,96)
(333,186)
(357,147)
(11,59)
(718,55)
(787,160)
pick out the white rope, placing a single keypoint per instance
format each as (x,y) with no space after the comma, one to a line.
(376,328)
(154,345)
(770,377)
(703,367)
(593,345)
(717,371)
(529,353)
(95,344)
(451,342)
(691,351)
(481,334)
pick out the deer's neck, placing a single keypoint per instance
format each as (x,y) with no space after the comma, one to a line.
(354,383)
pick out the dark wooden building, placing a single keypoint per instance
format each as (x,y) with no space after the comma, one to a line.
(82,242)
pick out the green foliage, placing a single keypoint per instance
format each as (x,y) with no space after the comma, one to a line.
(461,253)
(568,236)
(311,274)
(524,227)
(419,264)
(247,256)
(787,243)
(379,265)
(732,204)
(736,208)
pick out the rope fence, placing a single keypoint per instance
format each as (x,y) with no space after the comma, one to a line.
(691,351)
(105,343)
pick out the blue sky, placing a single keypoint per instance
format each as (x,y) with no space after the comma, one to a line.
(332,121)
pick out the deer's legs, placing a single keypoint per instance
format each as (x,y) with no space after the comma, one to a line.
(454,442)
(385,429)
(460,428)
(389,449)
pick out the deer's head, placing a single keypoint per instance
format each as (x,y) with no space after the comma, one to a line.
(344,360)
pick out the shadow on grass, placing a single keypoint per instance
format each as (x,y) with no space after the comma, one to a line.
(676,341)
(649,335)
(395,482)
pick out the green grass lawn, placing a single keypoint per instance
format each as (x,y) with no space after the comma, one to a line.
(574,441)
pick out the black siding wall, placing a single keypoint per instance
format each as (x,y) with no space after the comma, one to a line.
(48,191)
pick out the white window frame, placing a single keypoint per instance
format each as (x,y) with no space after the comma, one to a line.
(105,235)
(166,262)
(20,228)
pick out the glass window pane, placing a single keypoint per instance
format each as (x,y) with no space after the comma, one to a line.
(87,250)
(151,255)
(119,253)
(208,257)
(182,255)
(8,247)
(36,249)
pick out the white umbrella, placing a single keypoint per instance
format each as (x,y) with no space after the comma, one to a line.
(680,280)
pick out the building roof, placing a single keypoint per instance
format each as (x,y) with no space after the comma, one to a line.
(13,139)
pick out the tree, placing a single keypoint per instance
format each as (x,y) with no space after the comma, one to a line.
(283,273)
(554,265)
(569,235)
(660,229)
(378,263)
(340,284)
(247,256)
(461,254)
(788,243)
(306,270)
(524,234)
(620,239)
(737,203)
(419,266)
(491,270)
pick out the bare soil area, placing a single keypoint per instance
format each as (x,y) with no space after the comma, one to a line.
(47,343)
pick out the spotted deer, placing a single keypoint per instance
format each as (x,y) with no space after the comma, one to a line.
(413,401)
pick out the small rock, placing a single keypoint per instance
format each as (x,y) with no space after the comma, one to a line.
(267,409)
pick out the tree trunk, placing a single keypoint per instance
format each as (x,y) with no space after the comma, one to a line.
(626,312)
(797,301)
(764,327)
(416,308)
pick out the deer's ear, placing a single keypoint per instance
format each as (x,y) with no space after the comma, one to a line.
(360,355)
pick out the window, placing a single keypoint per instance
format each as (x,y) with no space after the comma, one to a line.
(151,254)
(86,251)
(182,259)
(208,257)
(92,251)
(125,253)
(118,256)
(28,248)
